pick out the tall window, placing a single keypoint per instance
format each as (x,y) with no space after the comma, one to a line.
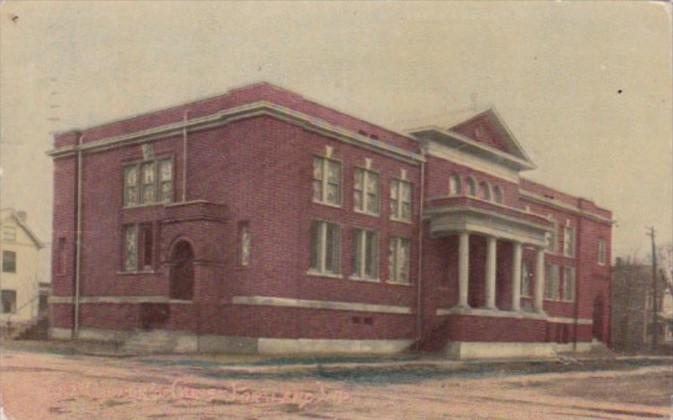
(8,300)
(148,182)
(568,241)
(602,252)
(8,262)
(455,186)
(245,243)
(130,248)
(552,282)
(471,186)
(399,259)
(325,248)
(568,284)
(400,200)
(485,190)
(526,279)
(553,237)
(365,254)
(9,233)
(326,181)
(366,191)
(498,195)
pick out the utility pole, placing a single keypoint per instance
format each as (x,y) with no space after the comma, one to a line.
(655,331)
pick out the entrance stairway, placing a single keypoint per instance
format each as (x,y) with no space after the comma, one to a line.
(35,329)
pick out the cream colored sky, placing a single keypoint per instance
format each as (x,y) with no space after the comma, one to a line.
(554,70)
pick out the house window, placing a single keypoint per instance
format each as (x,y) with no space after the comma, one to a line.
(400,200)
(398,260)
(9,233)
(148,182)
(60,256)
(8,298)
(325,248)
(326,181)
(245,241)
(526,279)
(130,248)
(455,186)
(366,192)
(602,252)
(8,262)
(485,190)
(568,241)
(471,186)
(553,237)
(552,282)
(568,284)
(365,254)
(498,196)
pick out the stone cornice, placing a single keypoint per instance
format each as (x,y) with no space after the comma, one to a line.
(538,199)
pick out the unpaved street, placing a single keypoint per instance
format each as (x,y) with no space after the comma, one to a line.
(44,386)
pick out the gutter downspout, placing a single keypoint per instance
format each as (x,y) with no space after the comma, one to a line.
(78,246)
(419,312)
(578,278)
(184,156)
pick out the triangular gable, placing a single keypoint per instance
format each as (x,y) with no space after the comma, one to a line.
(489,129)
(12,216)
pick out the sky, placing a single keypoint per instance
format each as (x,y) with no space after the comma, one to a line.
(584,86)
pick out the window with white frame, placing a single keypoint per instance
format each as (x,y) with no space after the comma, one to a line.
(8,262)
(526,279)
(148,182)
(138,247)
(602,252)
(366,192)
(325,248)
(9,233)
(471,186)
(8,301)
(552,282)
(245,243)
(326,181)
(568,241)
(365,254)
(399,258)
(455,186)
(498,195)
(130,248)
(400,200)
(568,284)
(485,190)
(553,237)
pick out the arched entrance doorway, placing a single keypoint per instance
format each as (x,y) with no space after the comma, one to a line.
(597,329)
(182,271)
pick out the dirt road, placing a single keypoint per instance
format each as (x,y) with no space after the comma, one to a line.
(45,386)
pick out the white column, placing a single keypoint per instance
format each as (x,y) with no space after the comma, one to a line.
(463,268)
(516,276)
(539,279)
(491,246)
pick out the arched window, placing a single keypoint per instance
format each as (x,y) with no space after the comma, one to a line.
(498,196)
(485,190)
(471,186)
(455,186)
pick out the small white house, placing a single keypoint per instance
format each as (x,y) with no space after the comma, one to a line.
(23,294)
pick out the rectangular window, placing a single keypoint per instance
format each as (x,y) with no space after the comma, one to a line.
(148,182)
(399,258)
(568,241)
(400,200)
(245,242)
(552,282)
(8,262)
(130,248)
(326,181)
(9,233)
(366,192)
(325,248)
(147,238)
(568,284)
(60,256)
(602,252)
(365,254)
(526,279)
(8,298)
(553,238)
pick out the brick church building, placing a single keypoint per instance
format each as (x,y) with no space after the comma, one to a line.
(262,221)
